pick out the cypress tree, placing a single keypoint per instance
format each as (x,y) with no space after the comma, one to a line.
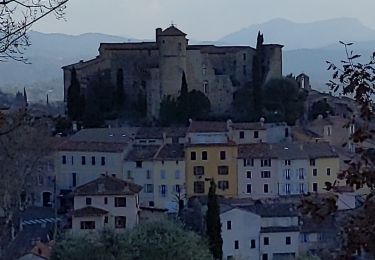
(120,95)
(75,108)
(213,223)
(183,101)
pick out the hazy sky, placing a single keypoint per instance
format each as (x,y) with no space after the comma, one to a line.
(200,19)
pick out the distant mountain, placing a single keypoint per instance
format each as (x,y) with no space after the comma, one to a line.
(303,35)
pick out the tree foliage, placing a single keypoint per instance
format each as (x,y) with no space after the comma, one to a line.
(358,80)
(76,101)
(189,104)
(213,223)
(17,17)
(155,240)
(320,107)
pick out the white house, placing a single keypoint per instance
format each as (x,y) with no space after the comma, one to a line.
(240,230)
(106,202)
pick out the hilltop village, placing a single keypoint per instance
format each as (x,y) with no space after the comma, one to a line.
(121,175)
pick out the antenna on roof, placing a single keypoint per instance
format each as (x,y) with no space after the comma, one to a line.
(173,24)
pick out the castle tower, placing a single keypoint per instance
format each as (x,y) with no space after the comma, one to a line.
(172,44)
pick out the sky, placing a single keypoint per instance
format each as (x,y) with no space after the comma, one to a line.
(200,19)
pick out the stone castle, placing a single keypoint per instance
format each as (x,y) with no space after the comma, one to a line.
(154,69)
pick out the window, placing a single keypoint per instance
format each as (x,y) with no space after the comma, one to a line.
(204,155)
(103,160)
(229,225)
(204,70)
(301,173)
(120,202)
(83,159)
(129,173)
(286,132)
(105,200)
(287,174)
(248,174)
(63,159)
(315,172)
(74,179)
(87,224)
(88,201)
(199,187)
(198,170)
(248,162)
(40,180)
(93,160)
(252,243)
(106,220)
(162,174)
(120,222)
(148,188)
(163,190)
(265,188)
(222,155)
(248,188)
(287,162)
(151,204)
(236,244)
(304,238)
(329,131)
(266,241)
(287,188)
(148,174)
(205,87)
(177,174)
(302,188)
(312,162)
(315,186)
(244,56)
(223,170)
(328,171)
(256,134)
(244,70)
(72,160)
(242,134)
(265,257)
(288,240)
(177,188)
(193,156)
(138,164)
(223,185)
(265,162)
(266,174)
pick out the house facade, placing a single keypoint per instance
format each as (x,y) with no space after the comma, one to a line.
(106,202)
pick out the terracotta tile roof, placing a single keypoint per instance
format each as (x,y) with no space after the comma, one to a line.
(157,132)
(106,135)
(273,210)
(248,126)
(107,185)
(287,151)
(142,152)
(171,152)
(89,212)
(320,150)
(172,31)
(207,126)
(92,147)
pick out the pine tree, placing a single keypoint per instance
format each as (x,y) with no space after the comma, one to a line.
(75,108)
(213,223)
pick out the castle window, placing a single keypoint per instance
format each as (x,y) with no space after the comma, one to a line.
(244,56)
(204,70)
(244,70)
(205,87)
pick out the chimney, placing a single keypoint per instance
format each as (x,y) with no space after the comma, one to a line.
(164,137)
(229,124)
(75,128)
(262,120)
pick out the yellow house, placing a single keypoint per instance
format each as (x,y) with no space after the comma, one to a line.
(324,166)
(211,161)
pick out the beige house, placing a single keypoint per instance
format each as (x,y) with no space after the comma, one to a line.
(106,202)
